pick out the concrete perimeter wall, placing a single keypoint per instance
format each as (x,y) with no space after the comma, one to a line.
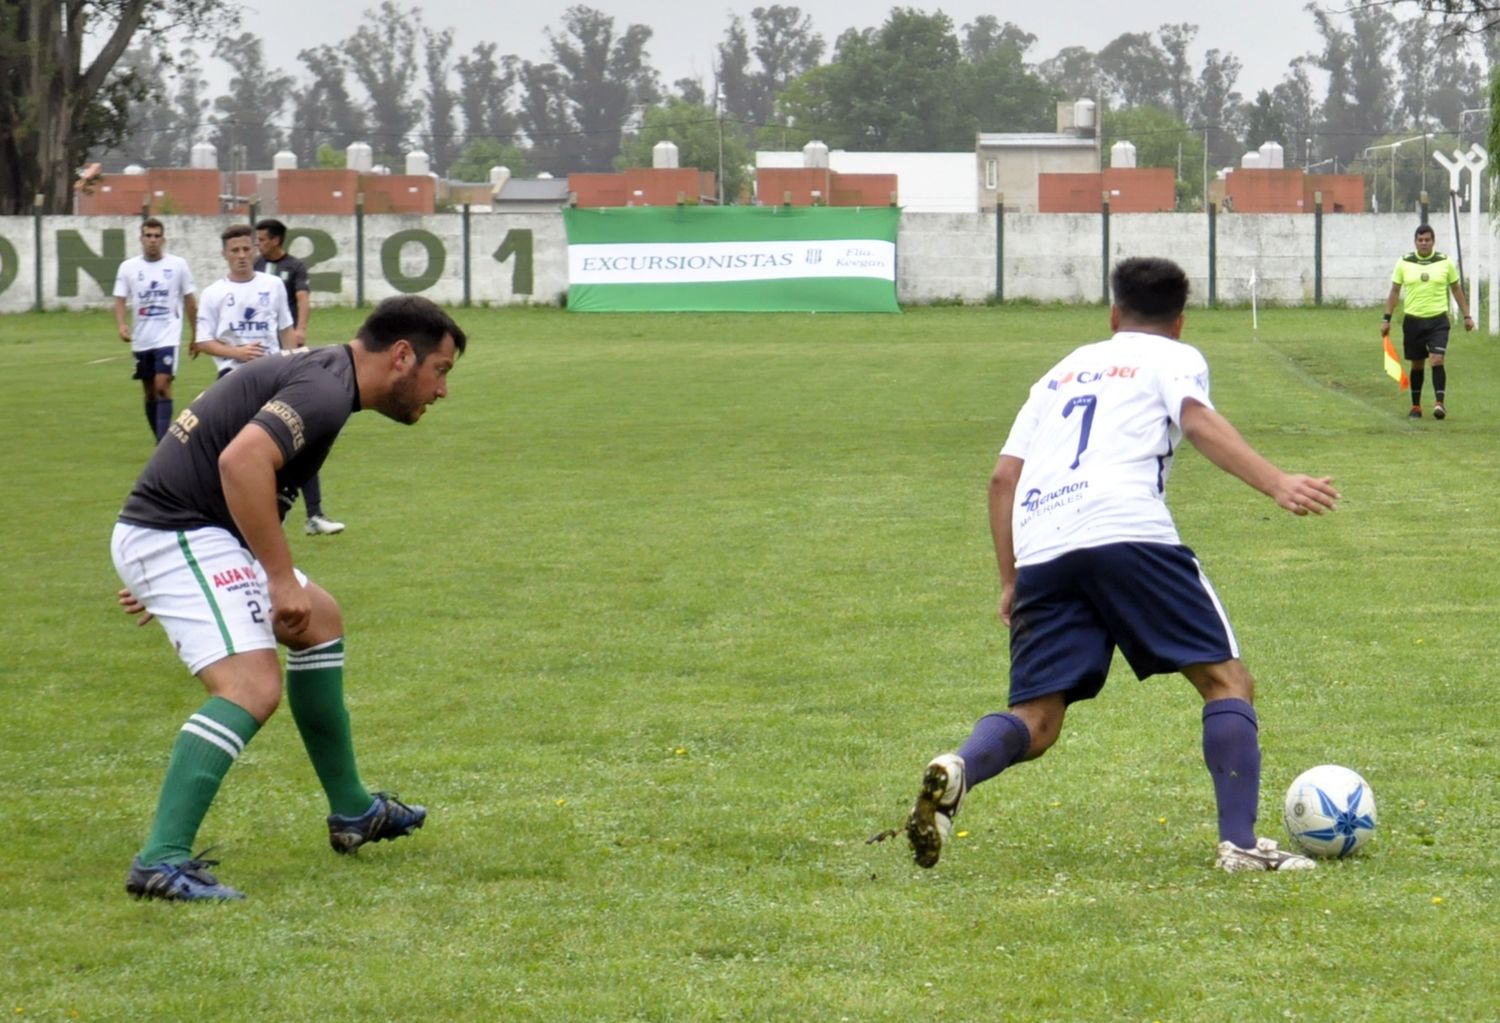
(522,257)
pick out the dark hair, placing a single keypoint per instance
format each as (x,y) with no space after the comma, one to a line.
(236,231)
(273,227)
(153,222)
(420,321)
(1424,229)
(1150,288)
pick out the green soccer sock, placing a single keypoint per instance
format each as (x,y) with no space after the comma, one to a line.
(315,692)
(208,743)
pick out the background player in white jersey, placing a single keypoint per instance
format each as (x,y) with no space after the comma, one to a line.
(243,315)
(158,289)
(1089,560)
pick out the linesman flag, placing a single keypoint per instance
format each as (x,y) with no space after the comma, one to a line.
(1393,367)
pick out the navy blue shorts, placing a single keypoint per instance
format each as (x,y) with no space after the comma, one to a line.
(1152,600)
(155,362)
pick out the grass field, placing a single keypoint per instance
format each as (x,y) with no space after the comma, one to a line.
(661,617)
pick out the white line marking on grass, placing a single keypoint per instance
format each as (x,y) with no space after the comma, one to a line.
(107,358)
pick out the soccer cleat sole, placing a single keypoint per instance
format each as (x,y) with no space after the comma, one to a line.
(922,828)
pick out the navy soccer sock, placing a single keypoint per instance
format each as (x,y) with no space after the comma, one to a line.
(312,493)
(997,742)
(1439,383)
(151,416)
(1417,376)
(1231,749)
(163,421)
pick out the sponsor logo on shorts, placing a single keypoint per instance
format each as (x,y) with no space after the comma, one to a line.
(230,578)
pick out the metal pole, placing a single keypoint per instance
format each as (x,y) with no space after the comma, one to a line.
(466,256)
(37,202)
(1317,248)
(1104,247)
(359,250)
(1213,254)
(1000,247)
(1424,202)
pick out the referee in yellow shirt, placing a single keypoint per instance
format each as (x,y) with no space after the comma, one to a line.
(1428,277)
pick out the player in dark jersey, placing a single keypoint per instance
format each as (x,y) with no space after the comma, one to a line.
(199,546)
(270,240)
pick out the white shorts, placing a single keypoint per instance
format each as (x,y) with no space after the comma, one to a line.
(203,586)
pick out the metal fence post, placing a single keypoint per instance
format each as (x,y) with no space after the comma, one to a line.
(1213,254)
(466,256)
(37,202)
(1317,248)
(359,250)
(1104,247)
(1000,247)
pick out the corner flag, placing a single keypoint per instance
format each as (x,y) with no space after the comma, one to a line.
(1393,367)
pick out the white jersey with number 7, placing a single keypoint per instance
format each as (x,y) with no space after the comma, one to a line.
(1097,435)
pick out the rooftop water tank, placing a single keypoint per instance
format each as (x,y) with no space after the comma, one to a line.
(285,159)
(1083,115)
(418,163)
(1272,156)
(135,169)
(815,154)
(1122,154)
(359,157)
(664,154)
(204,156)
(1250,161)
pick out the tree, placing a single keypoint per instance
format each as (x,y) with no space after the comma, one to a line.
(604,77)
(480,154)
(545,118)
(985,35)
(695,131)
(736,82)
(1359,101)
(382,54)
(1073,72)
(1161,139)
(785,47)
(151,133)
(484,94)
(1297,109)
(1181,91)
(1138,71)
(245,129)
(441,99)
(1263,122)
(56,105)
(890,88)
(325,114)
(1218,106)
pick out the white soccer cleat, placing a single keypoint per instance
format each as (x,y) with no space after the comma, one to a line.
(322,525)
(1265,856)
(929,827)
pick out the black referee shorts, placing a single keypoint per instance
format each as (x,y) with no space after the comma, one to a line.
(1423,335)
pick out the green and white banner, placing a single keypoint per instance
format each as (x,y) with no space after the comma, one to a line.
(732,258)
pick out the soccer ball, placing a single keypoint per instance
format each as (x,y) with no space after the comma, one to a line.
(1330,811)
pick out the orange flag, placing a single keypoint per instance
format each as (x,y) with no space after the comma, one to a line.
(1393,367)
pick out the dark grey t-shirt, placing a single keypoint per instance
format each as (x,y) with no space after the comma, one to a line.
(292,272)
(302,401)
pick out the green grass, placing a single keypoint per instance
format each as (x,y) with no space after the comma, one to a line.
(661,615)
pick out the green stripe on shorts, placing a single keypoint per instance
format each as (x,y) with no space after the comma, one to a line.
(208,592)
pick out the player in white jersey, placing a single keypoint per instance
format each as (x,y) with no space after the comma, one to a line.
(244,315)
(157,288)
(1090,560)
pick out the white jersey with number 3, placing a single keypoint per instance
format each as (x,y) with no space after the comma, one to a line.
(1097,435)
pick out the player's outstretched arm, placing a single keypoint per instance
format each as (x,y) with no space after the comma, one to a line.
(1223,445)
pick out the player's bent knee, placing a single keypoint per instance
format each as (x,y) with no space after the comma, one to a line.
(250,680)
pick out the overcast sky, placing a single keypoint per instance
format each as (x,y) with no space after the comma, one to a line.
(1264,34)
